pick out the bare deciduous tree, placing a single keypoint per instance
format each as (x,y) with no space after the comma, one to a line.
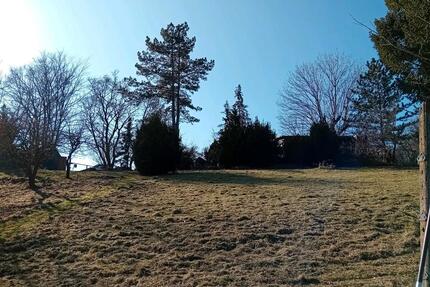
(106,113)
(73,139)
(317,92)
(42,96)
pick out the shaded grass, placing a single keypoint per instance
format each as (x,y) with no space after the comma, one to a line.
(213,228)
(9,229)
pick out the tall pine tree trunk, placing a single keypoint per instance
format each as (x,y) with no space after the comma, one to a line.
(423,160)
(178,114)
(173,111)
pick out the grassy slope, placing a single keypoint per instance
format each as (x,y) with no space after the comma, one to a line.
(236,228)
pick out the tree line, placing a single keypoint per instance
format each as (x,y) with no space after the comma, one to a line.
(51,104)
(367,104)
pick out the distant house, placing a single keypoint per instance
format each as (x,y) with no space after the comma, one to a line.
(55,162)
(297,150)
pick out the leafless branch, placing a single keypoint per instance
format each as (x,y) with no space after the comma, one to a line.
(320,91)
(106,113)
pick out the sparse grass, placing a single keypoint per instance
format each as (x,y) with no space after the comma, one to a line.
(312,227)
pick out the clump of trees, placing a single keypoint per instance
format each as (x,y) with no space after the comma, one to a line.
(320,147)
(373,108)
(242,142)
(52,107)
(167,74)
(155,149)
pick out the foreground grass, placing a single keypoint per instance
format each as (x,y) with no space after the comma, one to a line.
(212,228)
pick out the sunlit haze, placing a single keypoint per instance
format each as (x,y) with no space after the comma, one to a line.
(21,35)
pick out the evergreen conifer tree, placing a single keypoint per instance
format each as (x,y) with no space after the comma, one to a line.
(383,115)
(170,74)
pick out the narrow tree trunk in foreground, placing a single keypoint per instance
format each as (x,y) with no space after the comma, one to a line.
(32,172)
(69,163)
(423,160)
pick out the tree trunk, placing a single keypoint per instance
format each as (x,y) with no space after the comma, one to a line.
(32,177)
(68,168)
(31,181)
(173,111)
(178,115)
(423,160)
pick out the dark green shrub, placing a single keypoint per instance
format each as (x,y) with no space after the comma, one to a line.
(324,143)
(260,147)
(187,157)
(156,148)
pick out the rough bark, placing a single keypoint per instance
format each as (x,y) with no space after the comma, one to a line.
(423,160)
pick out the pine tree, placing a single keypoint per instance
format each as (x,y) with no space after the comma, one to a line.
(242,142)
(403,44)
(169,72)
(382,114)
(232,134)
(126,159)
(239,108)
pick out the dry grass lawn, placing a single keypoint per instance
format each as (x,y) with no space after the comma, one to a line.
(212,228)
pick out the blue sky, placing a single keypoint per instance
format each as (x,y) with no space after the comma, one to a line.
(254,43)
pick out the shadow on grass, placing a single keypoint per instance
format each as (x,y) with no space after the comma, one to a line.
(15,253)
(242,178)
(220,177)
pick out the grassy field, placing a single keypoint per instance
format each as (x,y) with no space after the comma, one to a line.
(212,228)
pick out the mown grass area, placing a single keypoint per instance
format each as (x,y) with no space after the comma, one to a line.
(212,228)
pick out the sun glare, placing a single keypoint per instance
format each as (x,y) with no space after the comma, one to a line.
(20,35)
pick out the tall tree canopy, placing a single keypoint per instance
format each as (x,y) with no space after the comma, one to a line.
(382,114)
(402,38)
(106,115)
(43,95)
(318,92)
(169,73)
